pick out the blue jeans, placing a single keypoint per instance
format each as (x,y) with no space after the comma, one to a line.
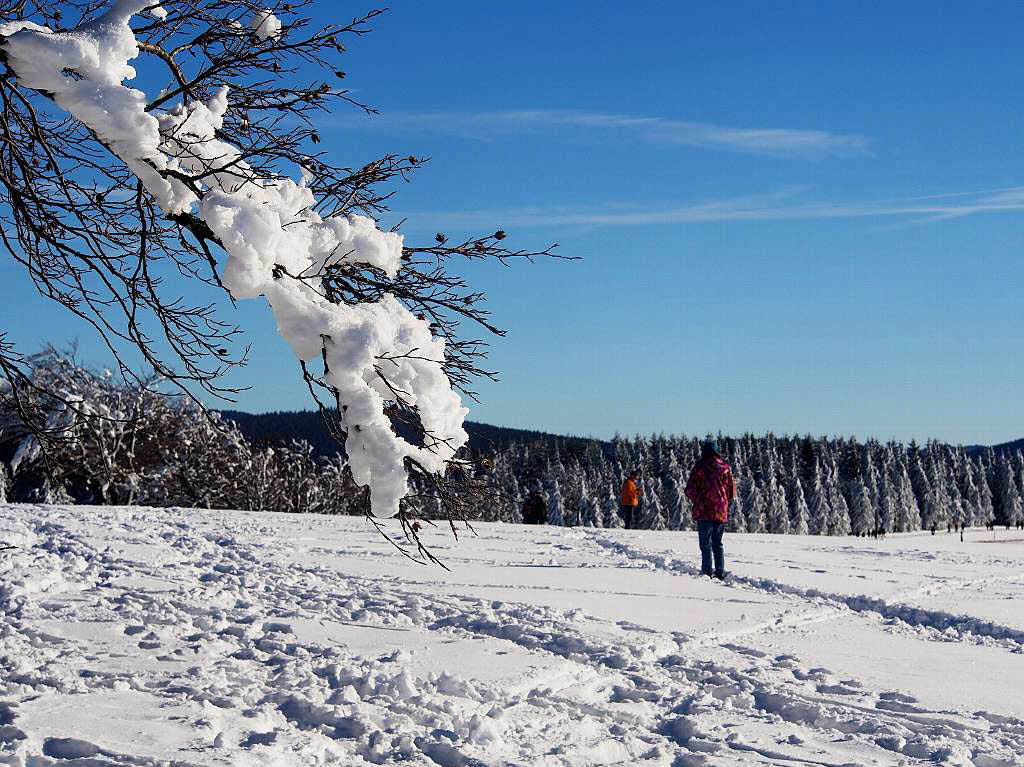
(710,536)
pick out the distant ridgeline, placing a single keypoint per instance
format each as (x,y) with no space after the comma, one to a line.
(280,427)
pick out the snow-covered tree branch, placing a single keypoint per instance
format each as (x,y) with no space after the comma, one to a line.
(206,166)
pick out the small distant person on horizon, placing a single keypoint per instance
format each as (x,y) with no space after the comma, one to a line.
(630,500)
(534,510)
(710,488)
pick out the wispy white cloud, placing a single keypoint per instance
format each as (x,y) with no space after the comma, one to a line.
(783,205)
(487,126)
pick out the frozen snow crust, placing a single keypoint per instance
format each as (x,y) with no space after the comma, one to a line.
(276,244)
(135,636)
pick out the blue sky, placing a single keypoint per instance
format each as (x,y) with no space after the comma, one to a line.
(803,217)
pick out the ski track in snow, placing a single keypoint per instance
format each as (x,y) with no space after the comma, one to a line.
(942,626)
(221,641)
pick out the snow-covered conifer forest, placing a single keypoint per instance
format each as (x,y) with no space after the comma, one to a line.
(126,445)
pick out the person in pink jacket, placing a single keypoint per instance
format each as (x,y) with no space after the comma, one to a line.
(710,489)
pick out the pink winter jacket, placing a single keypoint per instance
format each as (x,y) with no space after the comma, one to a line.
(710,489)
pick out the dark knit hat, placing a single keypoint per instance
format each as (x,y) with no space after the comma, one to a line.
(710,449)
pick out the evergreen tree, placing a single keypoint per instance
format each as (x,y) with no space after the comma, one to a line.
(918,477)
(907,513)
(862,511)
(591,513)
(678,507)
(611,509)
(839,521)
(776,507)
(799,513)
(888,503)
(754,506)
(820,507)
(972,513)
(651,513)
(936,508)
(986,514)
(555,503)
(1009,498)
(736,522)
(872,481)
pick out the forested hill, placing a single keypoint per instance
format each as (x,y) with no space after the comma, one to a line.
(308,425)
(264,429)
(1003,447)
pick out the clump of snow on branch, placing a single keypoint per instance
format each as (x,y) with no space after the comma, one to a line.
(276,244)
(266,25)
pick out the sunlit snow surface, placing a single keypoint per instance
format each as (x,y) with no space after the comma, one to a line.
(145,637)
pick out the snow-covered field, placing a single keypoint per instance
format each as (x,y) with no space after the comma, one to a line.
(134,636)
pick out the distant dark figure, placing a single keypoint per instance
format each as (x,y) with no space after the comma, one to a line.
(961,533)
(535,511)
(630,500)
(710,488)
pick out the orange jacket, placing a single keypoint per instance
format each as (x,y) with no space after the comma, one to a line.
(630,493)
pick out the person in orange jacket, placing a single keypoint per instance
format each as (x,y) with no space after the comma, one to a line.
(630,500)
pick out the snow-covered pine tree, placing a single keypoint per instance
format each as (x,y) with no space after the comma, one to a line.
(862,511)
(776,505)
(839,521)
(678,510)
(513,501)
(986,513)
(555,502)
(611,508)
(754,506)
(591,513)
(887,501)
(936,507)
(869,472)
(651,512)
(736,521)
(1009,507)
(1018,473)
(798,510)
(819,506)
(919,479)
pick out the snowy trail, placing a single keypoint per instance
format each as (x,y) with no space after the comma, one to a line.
(215,638)
(828,605)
